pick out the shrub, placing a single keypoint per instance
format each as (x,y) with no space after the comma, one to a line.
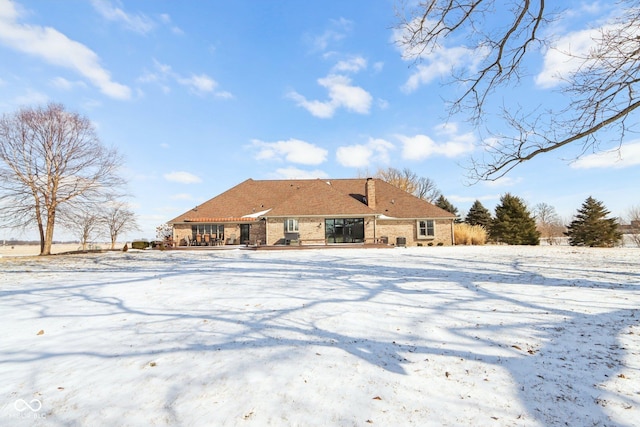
(465,234)
(590,226)
(139,244)
(513,223)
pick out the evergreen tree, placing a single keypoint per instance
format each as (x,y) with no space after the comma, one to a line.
(478,215)
(590,227)
(443,203)
(513,224)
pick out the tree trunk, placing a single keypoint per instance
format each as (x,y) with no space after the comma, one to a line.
(41,231)
(40,225)
(48,237)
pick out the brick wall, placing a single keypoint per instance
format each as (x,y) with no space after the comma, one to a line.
(312,230)
(409,230)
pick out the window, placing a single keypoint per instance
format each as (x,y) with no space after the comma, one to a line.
(344,230)
(290,225)
(214,230)
(426,229)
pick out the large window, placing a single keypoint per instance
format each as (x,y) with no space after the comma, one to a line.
(344,230)
(426,229)
(214,230)
(290,225)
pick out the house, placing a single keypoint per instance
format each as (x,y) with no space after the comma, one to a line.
(314,211)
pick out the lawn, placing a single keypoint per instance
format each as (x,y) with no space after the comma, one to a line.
(493,335)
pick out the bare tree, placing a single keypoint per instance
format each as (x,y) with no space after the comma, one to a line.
(164,232)
(548,223)
(118,219)
(633,215)
(84,223)
(600,92)
(51,159)
(409,181)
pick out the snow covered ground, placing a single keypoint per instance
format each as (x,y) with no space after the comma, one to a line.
(504,336)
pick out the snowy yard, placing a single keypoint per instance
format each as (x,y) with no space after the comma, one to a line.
(504,336)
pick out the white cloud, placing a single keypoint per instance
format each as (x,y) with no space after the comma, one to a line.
(138,23)
(55,48)
(453,143)
(440,63)
(224,94)
(574,51)
(342,94)
(504,181)
(354,156)
(363,155)
(339,29)
(199,84)
(351,65)
(563,58)
(182,177)
(435,63)
(625,156)
(417,147)
(291,150)
(64,84)
(165,18)
(295,173)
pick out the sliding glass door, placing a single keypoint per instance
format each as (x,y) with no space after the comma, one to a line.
(344,230)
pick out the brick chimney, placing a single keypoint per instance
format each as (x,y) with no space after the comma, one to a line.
(370,193)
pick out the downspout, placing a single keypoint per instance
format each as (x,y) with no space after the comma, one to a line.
(266,231)
(375,234)
(453,234)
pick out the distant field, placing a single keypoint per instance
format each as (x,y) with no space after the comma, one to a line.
(32,250)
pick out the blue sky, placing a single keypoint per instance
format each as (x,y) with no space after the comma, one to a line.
(202,95)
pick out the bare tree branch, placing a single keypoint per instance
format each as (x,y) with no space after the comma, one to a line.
(51,159)
(407,180)
(600,90)
(118,219)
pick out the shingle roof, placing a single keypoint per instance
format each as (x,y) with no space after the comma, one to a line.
(392,201)
(305,197)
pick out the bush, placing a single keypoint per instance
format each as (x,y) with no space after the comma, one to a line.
(139,244)
(590,226)
(465,234)
(513,223)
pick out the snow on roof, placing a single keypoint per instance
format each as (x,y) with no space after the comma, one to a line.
(256,214)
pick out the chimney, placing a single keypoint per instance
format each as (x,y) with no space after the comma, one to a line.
(370,193)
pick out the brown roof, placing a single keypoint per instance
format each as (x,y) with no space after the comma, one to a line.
(305,197)
(392,201)
(220,219)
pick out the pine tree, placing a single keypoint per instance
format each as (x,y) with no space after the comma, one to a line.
(478,215)
(513,224)
(590,227)
(443,203)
